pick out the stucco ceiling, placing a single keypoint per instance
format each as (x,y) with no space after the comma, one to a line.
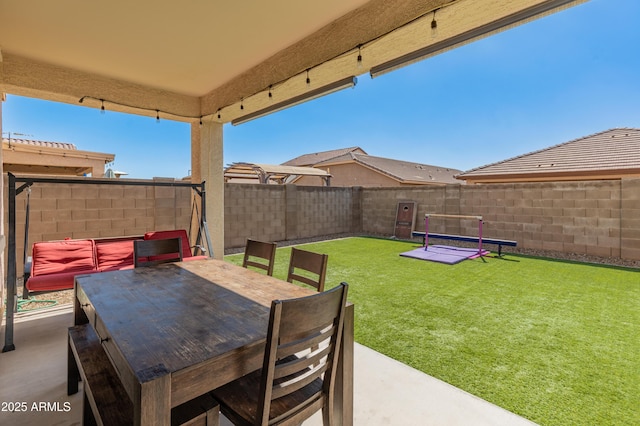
(188,47)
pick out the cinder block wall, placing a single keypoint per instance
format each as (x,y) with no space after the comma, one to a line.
(288,212)
(599,218)
(592,217)
(254,211)
(630,219)
(318,211)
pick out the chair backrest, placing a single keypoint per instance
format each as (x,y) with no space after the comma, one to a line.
(153,252)
(312,326)
(315,263)
(174,233)
(259,254)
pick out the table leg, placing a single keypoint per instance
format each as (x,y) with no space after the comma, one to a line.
(153,405)
(344,379)
(73,374)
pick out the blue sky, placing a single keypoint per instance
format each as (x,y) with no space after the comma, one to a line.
(558,78)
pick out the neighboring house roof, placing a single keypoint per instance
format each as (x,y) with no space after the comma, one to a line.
(318,157)
(402,171)
(611,154)
(46,144)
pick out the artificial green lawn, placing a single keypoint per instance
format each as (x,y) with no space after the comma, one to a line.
(556,342)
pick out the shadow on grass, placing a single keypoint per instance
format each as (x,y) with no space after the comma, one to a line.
(576,262)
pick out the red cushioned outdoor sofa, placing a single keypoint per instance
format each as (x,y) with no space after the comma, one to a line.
(54,264)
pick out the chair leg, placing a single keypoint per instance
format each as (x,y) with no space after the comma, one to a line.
(88,418)
(73,374)
(213,416)
(327,414)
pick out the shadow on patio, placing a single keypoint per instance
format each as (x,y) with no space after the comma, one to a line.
(386,391)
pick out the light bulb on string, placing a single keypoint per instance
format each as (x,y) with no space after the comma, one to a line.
(219,115)
(359,60)
(101,106)
(270,94)
(434,25)
(308,80)
(157,116)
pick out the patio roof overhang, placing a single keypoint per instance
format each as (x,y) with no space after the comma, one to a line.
(205,59)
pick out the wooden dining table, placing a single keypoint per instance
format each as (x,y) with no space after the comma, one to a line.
(178,330)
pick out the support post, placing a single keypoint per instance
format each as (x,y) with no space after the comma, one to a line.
(203,219)
(25,290)
(480,236)
(207,165)
(426,231)
(11,268)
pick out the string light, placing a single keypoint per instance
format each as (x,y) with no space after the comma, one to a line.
(157,111)
(434,34)
(434,25)
(157,116)
(434,28)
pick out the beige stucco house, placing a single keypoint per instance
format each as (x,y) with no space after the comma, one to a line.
(354,167)
(51,158)
(611,154)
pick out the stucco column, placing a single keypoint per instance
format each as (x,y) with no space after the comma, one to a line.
(207,165)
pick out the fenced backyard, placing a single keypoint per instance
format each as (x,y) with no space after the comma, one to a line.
(556,342)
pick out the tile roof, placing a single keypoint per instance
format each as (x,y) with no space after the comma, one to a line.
(611,150)
(403,171)
(317,157)
(45,144)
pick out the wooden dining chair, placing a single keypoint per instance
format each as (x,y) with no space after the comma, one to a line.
(259,254)
(153,252)
(296,380)
(315,264)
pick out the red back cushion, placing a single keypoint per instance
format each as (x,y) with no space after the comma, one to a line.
(161,235)
(114,253)
(50,257)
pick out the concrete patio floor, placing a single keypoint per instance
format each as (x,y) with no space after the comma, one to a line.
(386,392)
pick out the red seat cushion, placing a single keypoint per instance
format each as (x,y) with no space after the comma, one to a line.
(51,257)
(117,268)
(114,255)
(58,281)
(178,233)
